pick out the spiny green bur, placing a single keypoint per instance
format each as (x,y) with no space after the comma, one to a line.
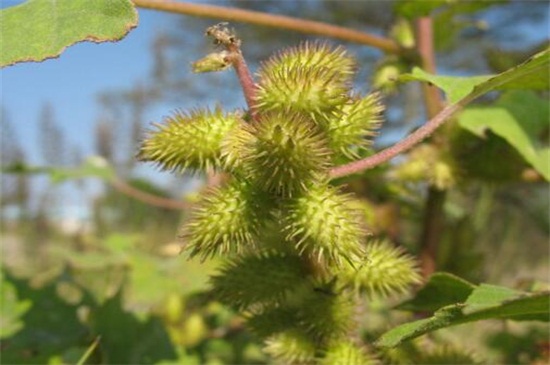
(295,245)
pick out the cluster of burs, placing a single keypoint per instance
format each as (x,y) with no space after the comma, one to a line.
(297,258)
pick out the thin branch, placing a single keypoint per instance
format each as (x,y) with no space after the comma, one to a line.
(412,139)
(433,224)
(150,199)
(271,20)
(434,213)
(245,78)
(425,46)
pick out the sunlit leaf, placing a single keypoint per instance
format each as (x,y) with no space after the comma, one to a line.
(11,309)
(485,302)
(518,117)
(414,8)
(442,289)
(533,74)
(40,29)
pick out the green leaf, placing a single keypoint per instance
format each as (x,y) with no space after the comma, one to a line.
(532,74)
(12,309)
(127,340)
(414,8)
(50,326)
(518,117)
(485,302)
(442,289)
(40,29)
(455,87)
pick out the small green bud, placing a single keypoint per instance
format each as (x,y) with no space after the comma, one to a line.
(287,154)
(188,141)
(385,76)
(325,224)
(386,271)
(217,61)
(226,220)
(402,32)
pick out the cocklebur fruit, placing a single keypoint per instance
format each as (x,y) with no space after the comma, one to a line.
(448,354)
(291,347)
(288,153)
(302,89)
(311,78)
(343,352)
(325,224)
(353,126)
(188,141)
(258,279)
(326,313)
(226,220)
(235,146)
(272,319)
(312,55)
(387,270)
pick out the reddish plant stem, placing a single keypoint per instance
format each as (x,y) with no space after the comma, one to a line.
(150,199)
(245,78)
(432,96)
(434,213)
(412,139)
(434,217)
(271,20)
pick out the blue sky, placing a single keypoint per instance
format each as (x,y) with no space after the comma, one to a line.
(71,82)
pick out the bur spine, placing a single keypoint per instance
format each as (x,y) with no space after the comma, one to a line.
(188,141)
(388,270)
(226,220)
(311,78)
(258,279)
(288,153)
(326,225)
